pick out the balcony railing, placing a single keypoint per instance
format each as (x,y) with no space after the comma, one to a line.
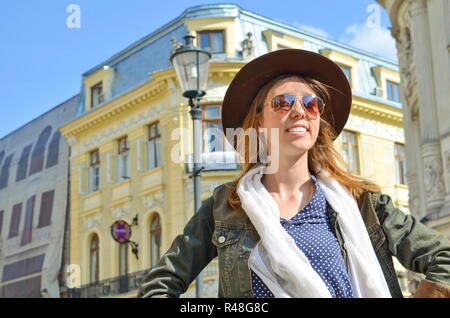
(109,287)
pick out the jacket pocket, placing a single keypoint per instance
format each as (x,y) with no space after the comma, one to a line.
(223,236)
(226,240)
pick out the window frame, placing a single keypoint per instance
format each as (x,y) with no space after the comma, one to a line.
(154,141)
(400,176)
(14,224)
(28,222)
(199,33)
(154,233)
(353,146)
(390,91)
(123,155)
(349,68)
(94,174)
(94,277)
(101,97)
(217,119)
(46,208)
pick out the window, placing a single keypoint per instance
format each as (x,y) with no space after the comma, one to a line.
(350,150)
(347,71)
(1,222)
(53,149)
(28,226)
(123,157)
(393,92)
(45,215)
(37,159)
(97,95)
(15,221)
(94,259)
(23,164)
(4,176)
(400,164)
(212,41)
(155,240)
(154,146)
(2,155)
(213,138)
(94,175)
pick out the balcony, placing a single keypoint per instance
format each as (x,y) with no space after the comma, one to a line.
(112,287)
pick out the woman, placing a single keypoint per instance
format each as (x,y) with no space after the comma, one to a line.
(295,223)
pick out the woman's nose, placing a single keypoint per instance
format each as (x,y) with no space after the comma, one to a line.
(297,109)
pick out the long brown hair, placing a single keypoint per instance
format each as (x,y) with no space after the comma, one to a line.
(322,154)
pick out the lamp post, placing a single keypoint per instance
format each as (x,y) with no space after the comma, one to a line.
(191,65)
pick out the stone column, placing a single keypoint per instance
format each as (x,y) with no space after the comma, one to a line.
(439,17)
(429,130)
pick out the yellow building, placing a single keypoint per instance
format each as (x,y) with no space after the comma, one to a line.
(134,131)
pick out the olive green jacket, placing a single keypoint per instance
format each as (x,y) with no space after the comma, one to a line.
(218,230)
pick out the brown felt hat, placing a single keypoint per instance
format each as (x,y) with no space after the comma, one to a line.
(255,74)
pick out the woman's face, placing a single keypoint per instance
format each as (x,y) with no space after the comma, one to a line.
(291,143)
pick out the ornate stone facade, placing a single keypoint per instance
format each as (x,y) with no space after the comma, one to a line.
(422,32)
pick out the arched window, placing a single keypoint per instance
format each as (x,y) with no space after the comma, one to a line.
(2,155)
(94,259)
(4,172)
(155,240)
(53,150)
(23,163)
(37,158)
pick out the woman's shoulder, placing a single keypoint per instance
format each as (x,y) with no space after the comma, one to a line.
(376,202)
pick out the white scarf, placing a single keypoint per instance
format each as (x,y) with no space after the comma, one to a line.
(279,262)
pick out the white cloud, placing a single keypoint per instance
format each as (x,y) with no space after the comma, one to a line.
(377,40)
(311,29)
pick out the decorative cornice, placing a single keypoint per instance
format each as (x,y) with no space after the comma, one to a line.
(381,111)
(145,92)
(112,109)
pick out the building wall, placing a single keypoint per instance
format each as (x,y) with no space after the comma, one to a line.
(30,266)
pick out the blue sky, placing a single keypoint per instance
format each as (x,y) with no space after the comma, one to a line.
(41,59)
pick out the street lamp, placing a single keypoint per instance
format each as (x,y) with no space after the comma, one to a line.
(191,65)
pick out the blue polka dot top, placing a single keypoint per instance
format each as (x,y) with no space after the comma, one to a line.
(312,231)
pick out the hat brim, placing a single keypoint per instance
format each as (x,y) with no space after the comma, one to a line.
(255,74)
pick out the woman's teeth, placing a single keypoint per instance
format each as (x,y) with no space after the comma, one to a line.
(299,129)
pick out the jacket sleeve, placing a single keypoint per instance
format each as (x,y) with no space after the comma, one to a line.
(416,246)
(188,254)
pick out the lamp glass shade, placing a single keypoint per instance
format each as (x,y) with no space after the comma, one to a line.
(191,67)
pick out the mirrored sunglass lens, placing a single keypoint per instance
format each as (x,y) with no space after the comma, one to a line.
(282,102)
(313,103)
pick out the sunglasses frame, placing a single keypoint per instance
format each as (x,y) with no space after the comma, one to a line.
(307,111)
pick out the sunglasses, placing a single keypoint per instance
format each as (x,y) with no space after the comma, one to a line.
(312,104)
